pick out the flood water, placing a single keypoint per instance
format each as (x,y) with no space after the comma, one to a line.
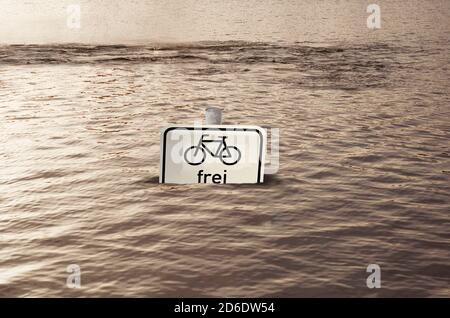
(364,119)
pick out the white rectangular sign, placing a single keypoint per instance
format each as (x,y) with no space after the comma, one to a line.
(212,154)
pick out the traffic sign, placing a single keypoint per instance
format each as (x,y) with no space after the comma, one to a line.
(212,154)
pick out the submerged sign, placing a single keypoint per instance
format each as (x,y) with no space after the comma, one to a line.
(212,154)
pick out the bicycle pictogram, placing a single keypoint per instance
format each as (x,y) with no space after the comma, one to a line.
(228,155)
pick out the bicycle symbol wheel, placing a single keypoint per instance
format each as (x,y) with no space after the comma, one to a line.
(195,155)
(230,155)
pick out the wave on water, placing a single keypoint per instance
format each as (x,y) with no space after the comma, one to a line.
(363,172)
(307,65)
(215,52)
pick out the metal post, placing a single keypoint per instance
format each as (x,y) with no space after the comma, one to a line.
(213,116)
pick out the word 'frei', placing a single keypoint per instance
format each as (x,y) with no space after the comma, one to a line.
(216,177)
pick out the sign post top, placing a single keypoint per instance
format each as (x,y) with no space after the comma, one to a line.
(213,116)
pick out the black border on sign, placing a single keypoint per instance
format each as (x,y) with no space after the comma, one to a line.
(163,177)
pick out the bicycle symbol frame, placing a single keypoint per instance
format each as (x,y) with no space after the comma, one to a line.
(224,152)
